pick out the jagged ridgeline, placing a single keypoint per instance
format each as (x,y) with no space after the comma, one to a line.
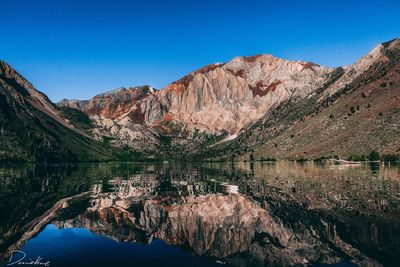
(250,108)
(34,129)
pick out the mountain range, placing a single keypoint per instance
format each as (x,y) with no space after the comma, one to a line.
(250,108)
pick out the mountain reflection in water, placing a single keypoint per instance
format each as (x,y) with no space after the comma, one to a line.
(240,214)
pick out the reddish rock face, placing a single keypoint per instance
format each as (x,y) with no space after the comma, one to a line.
(252,59)
(136,116)
(261,89)
(208,68)
(239,73)
(180,85)
(114,104)
(168,117)
(229,97)
(309,65)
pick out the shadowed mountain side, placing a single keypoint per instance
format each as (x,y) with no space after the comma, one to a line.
(33,129)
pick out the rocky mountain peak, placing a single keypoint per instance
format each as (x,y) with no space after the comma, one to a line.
(380,54)
(392,44)
(23,91)
(226,97)
(111,104)
(145,89)
(180,85)
(7,72)
(376,54)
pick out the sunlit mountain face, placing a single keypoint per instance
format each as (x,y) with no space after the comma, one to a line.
(237,214)
(252,108)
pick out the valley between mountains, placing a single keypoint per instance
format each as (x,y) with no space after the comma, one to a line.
(250,108)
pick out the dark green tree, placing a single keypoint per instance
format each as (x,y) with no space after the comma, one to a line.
(373,155)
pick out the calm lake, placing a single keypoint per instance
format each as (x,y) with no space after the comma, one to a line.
(200,214)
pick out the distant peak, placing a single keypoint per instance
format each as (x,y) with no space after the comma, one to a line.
(251,59)
(208,68)
(5,67)
(381,48)
(392,45)
(120,90)
(257,59)
(182,83)
(393,41)
(9,72)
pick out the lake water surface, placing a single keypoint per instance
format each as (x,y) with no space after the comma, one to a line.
(200,214)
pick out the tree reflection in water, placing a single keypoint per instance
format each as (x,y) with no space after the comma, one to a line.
(280,213)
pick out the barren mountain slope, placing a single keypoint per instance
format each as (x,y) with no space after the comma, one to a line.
(348,122)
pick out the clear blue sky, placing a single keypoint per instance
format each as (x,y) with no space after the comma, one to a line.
(78,48)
